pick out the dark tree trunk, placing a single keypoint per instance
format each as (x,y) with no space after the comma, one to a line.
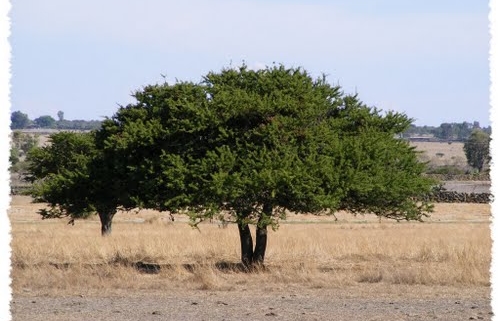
(260,245)
(246,244)
(106,218)
(261,236)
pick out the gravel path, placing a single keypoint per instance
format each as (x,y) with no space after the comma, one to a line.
(297,304)
(468,186)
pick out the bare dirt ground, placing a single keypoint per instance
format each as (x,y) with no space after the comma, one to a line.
(366,302)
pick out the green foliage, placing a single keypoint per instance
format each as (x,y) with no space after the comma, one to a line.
(242,140)
(45,122)
(445,170)
(71,175)
(477,149)
(245,146)
(59,173)
(446,131)
(19,120)
(78,124)
(248,146)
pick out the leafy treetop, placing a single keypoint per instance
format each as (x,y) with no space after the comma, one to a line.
(477,149)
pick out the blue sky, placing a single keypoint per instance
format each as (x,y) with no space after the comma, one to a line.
(428,59)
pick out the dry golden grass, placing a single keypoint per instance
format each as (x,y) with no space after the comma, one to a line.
(442,153)
(452,248)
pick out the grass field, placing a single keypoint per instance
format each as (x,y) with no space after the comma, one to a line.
(452,248)
(442,153)
(355,268)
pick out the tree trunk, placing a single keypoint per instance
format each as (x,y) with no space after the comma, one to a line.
(261,236)
(106,218)
(246,244)
(260,245)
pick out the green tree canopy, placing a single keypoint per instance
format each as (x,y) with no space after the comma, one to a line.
(19,120)
(45,122)
(70,174)
(248,146)
(477,149)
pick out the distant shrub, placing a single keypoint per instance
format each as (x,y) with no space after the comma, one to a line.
(446,170)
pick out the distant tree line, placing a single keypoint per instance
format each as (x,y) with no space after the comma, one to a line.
(20,120)
(447,131)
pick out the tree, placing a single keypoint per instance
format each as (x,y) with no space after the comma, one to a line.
(71,176)
(60,115)
(45,121)
(477,149)
(444,131)
(19,120)
(463,130)
(247,146)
